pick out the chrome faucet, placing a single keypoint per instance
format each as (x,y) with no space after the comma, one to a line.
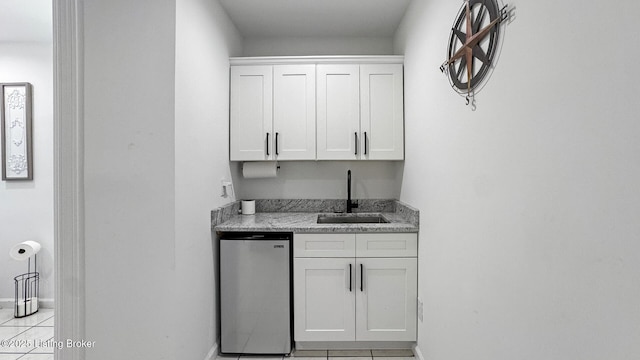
(350,204)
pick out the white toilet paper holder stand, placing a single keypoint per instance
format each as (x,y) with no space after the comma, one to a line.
(27,288)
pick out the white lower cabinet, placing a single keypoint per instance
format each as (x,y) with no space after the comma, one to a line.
(324,306)
(386,299)
(347,298)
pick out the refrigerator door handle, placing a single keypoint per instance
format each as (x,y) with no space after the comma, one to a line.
(361,277)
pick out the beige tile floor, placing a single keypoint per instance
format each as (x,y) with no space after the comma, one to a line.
(333,355)
(26,338)
(36,329)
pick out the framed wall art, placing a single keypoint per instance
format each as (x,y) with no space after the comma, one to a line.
(15,116)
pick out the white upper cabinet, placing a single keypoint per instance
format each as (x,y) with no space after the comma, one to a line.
(294,112)
(251,114)
(273,113)
(360,112)
(381,111)
(324,108)
(338,112)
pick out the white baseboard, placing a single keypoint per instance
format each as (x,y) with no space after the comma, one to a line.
(9,303)
(213,353)
(352,345)
(417,352)
(47,303)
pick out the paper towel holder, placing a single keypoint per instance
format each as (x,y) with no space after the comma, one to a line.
(260,169)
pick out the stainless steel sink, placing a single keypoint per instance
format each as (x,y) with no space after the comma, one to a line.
(351,219)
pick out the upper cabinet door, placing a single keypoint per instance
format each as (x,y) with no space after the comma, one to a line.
(338,101)
(251,118)
(294,112)
(382,111)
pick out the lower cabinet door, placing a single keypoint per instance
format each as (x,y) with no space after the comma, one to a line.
(324,301)
(386,299)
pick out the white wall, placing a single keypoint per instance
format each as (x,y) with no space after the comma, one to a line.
(205,38)
(129,139)
(26,207)
(156,140)
(324,180)
(529,206)
(281,46)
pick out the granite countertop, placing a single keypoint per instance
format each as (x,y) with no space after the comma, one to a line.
(300,216)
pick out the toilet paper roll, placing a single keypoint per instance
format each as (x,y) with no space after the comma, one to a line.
(24,250)
(248,207)
(25,308)
(260,169)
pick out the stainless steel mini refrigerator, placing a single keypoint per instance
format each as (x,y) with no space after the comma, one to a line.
(255,298)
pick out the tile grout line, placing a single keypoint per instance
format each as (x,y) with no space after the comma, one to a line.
(27,328)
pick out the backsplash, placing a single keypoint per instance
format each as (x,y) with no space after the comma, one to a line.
(224,213)
(323,205)
(408,212)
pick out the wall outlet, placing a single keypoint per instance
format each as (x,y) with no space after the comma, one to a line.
(226,187)
(420,309)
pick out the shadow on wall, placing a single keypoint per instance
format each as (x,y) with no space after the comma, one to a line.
(322,180)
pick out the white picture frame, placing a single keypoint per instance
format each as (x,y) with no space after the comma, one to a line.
(16,131)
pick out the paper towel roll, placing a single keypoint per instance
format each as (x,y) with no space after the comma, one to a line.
(24,250)
(260,169)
